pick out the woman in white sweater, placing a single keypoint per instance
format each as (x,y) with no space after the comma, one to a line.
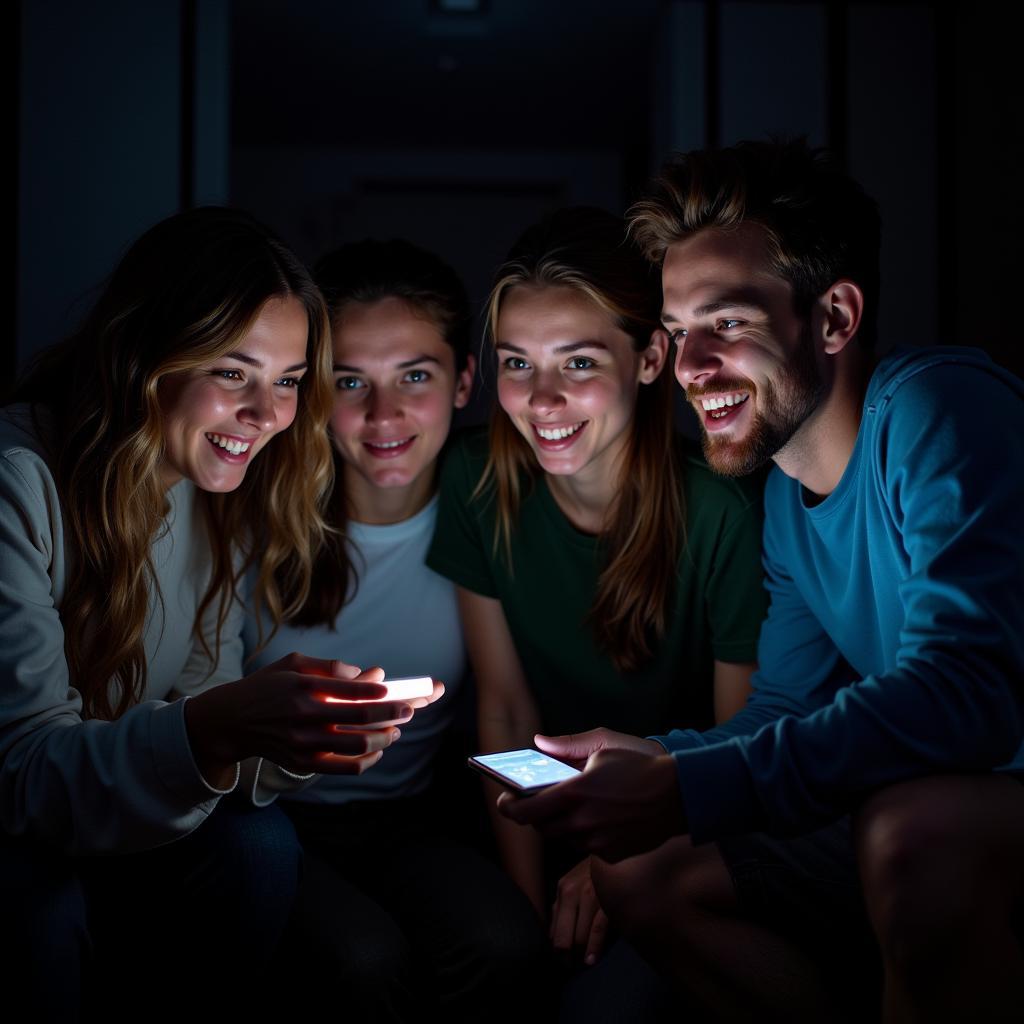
(134,492)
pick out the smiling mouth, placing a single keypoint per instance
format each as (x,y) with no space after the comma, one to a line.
(554,435)
(231,445)
(390,448)
(720,406)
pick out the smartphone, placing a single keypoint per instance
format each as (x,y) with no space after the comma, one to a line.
(525,771)
(398,689)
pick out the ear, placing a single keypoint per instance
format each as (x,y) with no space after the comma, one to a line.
(464,383)
(843,308)
(652,359)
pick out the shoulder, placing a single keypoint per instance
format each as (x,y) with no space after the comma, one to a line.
(931,409)
(931,377)
(24,468)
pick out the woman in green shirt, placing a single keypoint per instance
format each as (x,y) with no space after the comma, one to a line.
(604,574)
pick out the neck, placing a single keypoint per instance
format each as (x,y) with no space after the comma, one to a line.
(819,452)
(586,497)
(380,506)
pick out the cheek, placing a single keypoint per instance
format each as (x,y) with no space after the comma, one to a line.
(191,404)
(512,395)
(433,410)
(346,419)
(605,396)
(287,413)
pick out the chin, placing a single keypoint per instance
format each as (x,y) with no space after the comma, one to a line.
(736,458)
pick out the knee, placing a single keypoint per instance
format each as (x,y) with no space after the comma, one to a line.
(914,871)
(258,851)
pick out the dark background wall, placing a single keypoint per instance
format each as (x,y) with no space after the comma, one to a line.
(333,121)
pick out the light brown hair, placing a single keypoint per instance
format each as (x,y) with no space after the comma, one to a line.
(184,294)
(586,249)
(819,224)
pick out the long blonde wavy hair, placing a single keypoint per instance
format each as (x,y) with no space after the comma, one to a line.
(183,295)
(586,249)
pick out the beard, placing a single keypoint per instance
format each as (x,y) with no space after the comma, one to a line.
(782,407)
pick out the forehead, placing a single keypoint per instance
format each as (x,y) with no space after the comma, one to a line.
(279,331)
(718,260)
(552,314)
(389,329)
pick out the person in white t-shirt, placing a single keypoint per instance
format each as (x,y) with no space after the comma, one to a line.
(394,912)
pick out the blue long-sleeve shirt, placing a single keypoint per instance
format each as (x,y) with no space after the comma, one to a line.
(894,644)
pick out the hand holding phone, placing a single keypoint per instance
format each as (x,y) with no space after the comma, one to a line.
(524,771)
(408,688)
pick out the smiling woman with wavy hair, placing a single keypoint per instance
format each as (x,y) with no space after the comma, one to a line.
(172,443)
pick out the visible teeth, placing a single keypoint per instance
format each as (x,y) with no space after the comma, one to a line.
(228,444)
(721,401)
(388,444)
(557,433)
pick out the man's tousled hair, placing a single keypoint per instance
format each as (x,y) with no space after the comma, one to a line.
(819,224)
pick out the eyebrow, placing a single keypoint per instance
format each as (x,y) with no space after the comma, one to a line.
(738,300)
(250,361)
(572,346)
(345,368)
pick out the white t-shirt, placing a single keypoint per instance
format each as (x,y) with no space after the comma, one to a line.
(404,618)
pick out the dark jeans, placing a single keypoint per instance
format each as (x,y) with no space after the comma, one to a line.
(395,920)
(137,936)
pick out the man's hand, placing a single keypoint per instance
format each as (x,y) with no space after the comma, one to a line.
(577,920)
(624,802)
(577,748)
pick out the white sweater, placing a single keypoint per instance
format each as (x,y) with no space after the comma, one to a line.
(94,786)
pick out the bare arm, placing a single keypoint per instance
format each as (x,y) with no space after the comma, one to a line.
(507,718)
(732,688)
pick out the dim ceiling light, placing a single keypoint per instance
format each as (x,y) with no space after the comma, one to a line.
(458,6)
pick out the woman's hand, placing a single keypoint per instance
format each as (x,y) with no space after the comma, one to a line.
(304,714)
(577,920)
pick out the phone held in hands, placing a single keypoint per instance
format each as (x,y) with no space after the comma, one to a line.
(524,771)
(398,689)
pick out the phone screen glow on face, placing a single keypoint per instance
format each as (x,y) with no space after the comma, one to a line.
(528,768)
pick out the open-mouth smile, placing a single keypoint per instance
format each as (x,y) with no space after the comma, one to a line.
(229,448)
(557,437)
(390,448)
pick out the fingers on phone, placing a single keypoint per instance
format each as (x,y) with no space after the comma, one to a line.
(361,741)
(342,764)
(367,714)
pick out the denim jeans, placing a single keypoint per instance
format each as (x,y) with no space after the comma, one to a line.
(137,935)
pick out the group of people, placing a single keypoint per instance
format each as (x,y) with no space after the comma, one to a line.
(797,700)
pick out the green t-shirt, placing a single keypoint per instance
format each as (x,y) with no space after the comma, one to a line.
(715,615)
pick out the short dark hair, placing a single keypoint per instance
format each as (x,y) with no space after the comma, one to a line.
(371,270)
(820,224)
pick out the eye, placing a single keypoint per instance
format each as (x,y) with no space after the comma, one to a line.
(288,382)
(677,337)
(515,363)
(348,384)
(728,325)
(416,377)
(581,363)
(227,374)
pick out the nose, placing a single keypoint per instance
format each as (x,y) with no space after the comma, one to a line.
(696,358)
(546,396)
(382,406)
(260,408)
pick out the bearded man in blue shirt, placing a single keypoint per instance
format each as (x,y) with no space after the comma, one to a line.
(873,781)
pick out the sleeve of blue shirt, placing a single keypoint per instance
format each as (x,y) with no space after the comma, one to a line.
(949,462)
